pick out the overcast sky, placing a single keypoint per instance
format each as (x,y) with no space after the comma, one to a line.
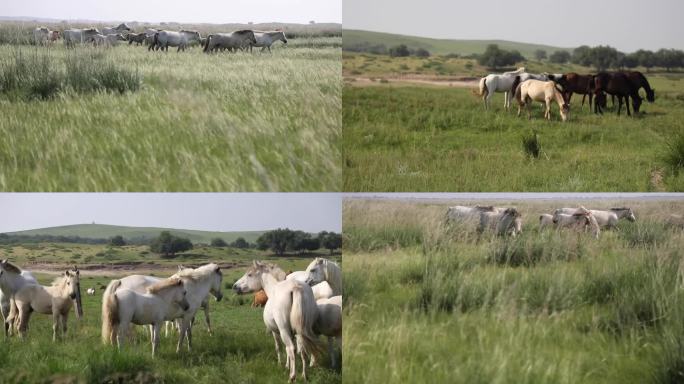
(201,11)
(310,212)
(626,25)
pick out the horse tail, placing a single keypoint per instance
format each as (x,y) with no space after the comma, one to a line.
(517,89)
(483,87)
(303,315)
(206,44)
(13,316)
(110,312)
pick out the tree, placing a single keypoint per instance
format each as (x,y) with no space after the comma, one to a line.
(117,241)
(218,242)
(168,245)
(582,56)
(399,51)
(604,57)
(240,242)
(330,240)
(494,57)
(630,61)
(560,57)
(421,52)
(276,240)
(668,58)
(645,58)
(540,54)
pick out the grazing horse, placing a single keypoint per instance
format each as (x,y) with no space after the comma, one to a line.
(55,300)
(581,219)
(507,222)
(617,84)
(121,28)
(545,220)
(230,41)
(639,81)
(291,309)
(137,38)
(164,300)
(74,36)
(605,219)
(329,323)
(543,91)
(320,270)
(12,279)
(575,83)
(266,39)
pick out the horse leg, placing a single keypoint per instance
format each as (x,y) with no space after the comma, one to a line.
(121,334)
(155,338)
(331,352)
(188,334)
(276,339)
(547,114)
(55,324)
(619,105)
(181,337)
(302,354)
(206,318)
(24,316)
(286,336)
(627,105)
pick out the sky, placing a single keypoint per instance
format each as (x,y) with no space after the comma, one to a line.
(202,11)
(309,212)
(627,25)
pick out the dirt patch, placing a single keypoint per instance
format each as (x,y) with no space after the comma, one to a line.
(138,267)
(443,81)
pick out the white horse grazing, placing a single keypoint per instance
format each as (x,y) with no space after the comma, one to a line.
(266,39)
(230,41)
(55,300)
(582,219)
(543,91)
(290,309)
(12,279)
(322,290)
(545,220)
(498,83)
(78,36)
(605,219)
(507,222)
(459,213)
(321,269)
(329,323)
(181,39)
(165,300)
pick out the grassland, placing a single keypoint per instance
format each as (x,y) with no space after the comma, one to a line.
(241,351)
(408,137)
(221,122)
(426,303)
(462,47)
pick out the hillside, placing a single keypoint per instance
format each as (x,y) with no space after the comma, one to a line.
(353,37)
(100,231)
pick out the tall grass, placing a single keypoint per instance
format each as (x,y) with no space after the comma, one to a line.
(674,154)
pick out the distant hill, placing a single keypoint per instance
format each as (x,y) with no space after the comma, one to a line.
(104,231)
(352,37)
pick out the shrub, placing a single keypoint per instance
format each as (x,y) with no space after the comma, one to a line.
(531,145)
(674,153)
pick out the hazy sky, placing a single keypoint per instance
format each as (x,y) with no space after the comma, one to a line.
(202,11)
(624,24)
(310,212)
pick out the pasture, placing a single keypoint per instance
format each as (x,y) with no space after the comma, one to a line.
(428,303)
(240,351)
(125,119)
(402,136)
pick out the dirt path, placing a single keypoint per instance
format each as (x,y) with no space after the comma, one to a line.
(118,268)
(413,79)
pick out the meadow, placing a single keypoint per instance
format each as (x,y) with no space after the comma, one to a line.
(125,119)
(240,351)
(400,136)
(426,302)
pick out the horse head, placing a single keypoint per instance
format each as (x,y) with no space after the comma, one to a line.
(251,280)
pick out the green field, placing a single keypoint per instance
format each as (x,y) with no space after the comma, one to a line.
(440,46)
(104,231)
(426,303)
(185,121)
(241,351)
(403,137)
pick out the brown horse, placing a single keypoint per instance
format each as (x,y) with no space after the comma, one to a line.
(617,84)
(575,83)
(639,81)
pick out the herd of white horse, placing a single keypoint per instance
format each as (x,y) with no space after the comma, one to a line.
(294,315)
(508,220)
(157,39)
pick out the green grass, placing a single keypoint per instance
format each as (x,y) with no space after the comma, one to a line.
(445,310)
(222,122)
(419,138)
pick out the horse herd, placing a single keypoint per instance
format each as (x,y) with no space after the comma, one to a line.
(508,221)
(549,88)
(156,39)
(300,306)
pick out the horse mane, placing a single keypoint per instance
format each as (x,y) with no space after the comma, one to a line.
(197,273)
(164,284)
(243,32)
(487,208)
(9,267)
(620,209)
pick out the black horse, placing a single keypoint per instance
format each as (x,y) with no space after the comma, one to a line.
(619,85)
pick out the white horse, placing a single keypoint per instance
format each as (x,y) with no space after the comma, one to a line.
(181,39)
(74,36)
(165,300)
(498,83)
(55,300)
(107,41)
(542,91)
(605,219)
(322,290)
(582,219)
(290,309)
(329,323)
(266,39)
(545,220)
(321,269)
(44,36)
(506,222)
(12,279)
(121,28)
(459,213)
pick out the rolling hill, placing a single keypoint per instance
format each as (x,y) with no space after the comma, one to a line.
(104,231)
(352,37)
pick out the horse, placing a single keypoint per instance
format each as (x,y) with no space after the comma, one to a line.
(181,39)
(617,84)
(55,300)
(639,81)
(543,91)
(498,83)
(43,35)
(137,38)
(231,41)
(107,40)
(605,219)
(266,39)
(12,279)
(164,300)
(463,213)
(291,308)
(73,36)
(329,323)
(507,222)
(90,291)
(320,270)
(545,220)
(581,219)
(116,30)
(572,82)
(260,299)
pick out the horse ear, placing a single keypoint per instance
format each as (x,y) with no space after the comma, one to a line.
(179,282)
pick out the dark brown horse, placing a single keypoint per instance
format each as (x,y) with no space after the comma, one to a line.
(619,85)
(639,81)
(575,83)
